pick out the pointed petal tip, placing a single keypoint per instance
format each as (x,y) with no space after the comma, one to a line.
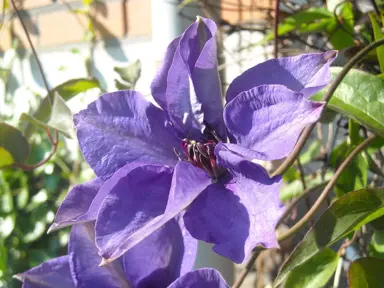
(17,277)
(104,261)
(52,228)
(199,19)
(332,54)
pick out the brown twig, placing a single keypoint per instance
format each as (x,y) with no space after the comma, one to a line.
(294,203)
(327,189)
(247,269)
(348,243)
(42,162)
(53,142)
(33,51)
(276,29)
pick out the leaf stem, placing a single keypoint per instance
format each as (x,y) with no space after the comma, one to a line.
(327,96)
(326,190)
(42,162)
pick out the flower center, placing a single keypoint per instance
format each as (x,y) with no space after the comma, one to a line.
(201,154)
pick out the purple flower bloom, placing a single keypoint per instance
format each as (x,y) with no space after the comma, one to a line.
(191,154)
(158,261)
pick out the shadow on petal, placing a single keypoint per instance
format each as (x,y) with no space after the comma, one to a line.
(217,216)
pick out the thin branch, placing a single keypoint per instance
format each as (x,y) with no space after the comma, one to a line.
(42,162)
(327,189)
(348,242)
(289,209)
(276,29)
(248,268)
(34,52)
(307,131)
(377,11)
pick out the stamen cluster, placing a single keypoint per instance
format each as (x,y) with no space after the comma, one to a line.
(202,155)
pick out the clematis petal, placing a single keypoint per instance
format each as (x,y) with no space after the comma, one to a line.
(84,261)
(136,198)
(54,273)
(187,85)
(76,203)
(108,185)
(307,73)
(122,127)
(201,278)
(131,214)
(161,257)
(239,213)
(268,119)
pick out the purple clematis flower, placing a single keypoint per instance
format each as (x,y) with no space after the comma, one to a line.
(192,154)
(158,261)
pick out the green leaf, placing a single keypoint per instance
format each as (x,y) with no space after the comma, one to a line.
(345,215)
(355,176)
(7,224)
(354,129)
(376,247)
(359,96)
(38,230)
(66,90)
(372,166)
(6,158)
(291,174)
(22,197)
(121,86)
(130,73)
(341,30)
(378,34)
(327,116)
(310,20)
(14,143)
(61,117)
(6,200)
(316,272)
(311,153)
(366,273)
(60,120)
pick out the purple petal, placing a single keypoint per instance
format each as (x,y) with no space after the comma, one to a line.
(76,203)
(161,257)
(108,185)
(136,198)
(269,119)
(187,85)
(122,127)
(201,278)
(54,273)
(306,73)
(237,214)
(131,214)
(84,261)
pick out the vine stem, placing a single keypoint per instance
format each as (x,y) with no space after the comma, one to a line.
(332,88)
(314,208)
(53,142)
(276,29)
(42,162)
(33,50)
(247,269)
(299,146)
(327,189)
(297,200)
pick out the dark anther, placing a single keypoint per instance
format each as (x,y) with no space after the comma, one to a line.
(201,154)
